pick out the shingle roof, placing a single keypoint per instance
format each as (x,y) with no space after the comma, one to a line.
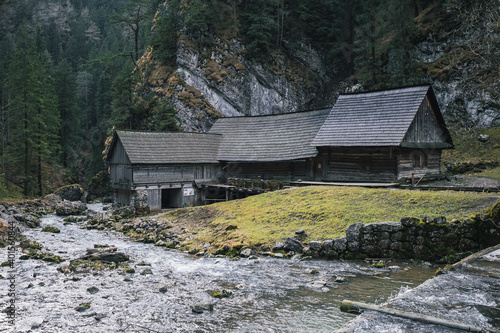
(269,138)
(171,147)
(379,118)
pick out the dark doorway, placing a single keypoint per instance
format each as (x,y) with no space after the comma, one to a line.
(171,198)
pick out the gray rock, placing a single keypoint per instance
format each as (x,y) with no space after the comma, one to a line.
(70,192)
(245,253)
(53,199)
(66,208)
(93,290)
(300,233)
(353,231)
(483,137)
(279,246)
(108,256)
(340,244)
(200,308)
(439,220)
(315,245)
(291,244)
(409,221)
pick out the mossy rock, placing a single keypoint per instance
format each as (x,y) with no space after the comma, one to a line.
(72,192)
(494,212)
(50,257)
(52,229)
(221,294)
(83,307)
(99,186)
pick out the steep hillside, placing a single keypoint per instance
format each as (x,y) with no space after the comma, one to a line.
(460,54)
(217,71)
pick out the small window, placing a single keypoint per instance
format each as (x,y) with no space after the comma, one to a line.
(419,160)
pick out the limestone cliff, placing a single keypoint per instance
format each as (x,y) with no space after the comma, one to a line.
(461,57)
(456,50)
(218,80)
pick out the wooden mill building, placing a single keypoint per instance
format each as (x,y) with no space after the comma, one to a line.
(381,136)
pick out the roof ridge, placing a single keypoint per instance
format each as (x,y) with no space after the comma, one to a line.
(164,133)
(388,90)
(281,114)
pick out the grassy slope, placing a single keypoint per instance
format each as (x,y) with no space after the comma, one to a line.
(469,149)
(323,212)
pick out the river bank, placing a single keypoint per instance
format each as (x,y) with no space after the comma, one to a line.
(467,293)
(241,289)
(159,289)
(432,226)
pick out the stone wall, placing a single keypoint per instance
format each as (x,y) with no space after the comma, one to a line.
(412,238)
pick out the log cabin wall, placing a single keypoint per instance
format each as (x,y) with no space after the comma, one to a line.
(425,127)
(120,171)
(165,174)
(284,171)
(359,164)
(418,162)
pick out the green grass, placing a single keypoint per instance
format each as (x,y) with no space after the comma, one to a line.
(323,212)
(492,173)
(469,148)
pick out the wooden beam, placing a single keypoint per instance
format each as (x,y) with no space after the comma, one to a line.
(357,307)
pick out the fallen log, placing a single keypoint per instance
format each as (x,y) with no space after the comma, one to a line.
(472,257)
(358,307)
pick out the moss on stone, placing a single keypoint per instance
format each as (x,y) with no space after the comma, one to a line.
(51,229)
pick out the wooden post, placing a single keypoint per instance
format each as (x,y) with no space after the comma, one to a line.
(357,307)
(412,178)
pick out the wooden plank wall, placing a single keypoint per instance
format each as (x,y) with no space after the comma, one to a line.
(152,175)
(120,176)
(425,127)
(120,172)
(359,164)
(119,155)
(123,196)
(284,171)
(405,163)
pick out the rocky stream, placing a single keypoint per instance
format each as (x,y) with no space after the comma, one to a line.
(71,279)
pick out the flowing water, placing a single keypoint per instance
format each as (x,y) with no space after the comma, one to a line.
(268,294)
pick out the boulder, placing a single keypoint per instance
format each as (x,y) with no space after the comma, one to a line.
(483,137)
(245,253)
(291,244)
(109,255)
(27,220)
(53,199)
(340,244)
(66,208)
(70,192)
(315,245)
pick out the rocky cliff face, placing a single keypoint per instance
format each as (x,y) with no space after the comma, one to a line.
(459,56)
(462,59)
(219,81)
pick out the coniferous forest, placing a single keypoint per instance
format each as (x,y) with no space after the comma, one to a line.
(69,68)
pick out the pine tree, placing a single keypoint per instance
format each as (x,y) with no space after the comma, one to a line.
(368,32)
(33,116)
(124,110)
(166,33)
(65,82)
